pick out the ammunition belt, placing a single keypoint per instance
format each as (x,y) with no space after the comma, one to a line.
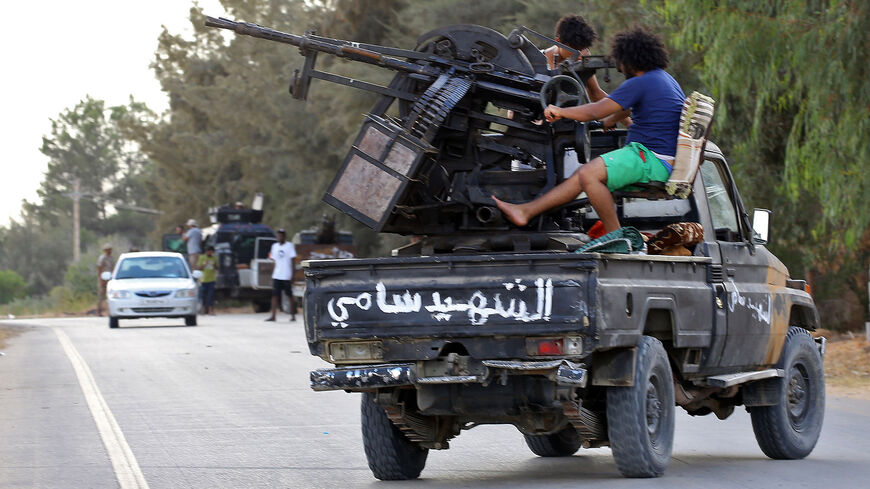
(433,107)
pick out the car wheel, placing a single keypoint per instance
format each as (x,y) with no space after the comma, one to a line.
(261,306)
(190,320)
(789,429)
(113,322)
(562,444)
(640,418)
(391,455)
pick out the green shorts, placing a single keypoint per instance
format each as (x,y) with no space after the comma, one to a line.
(626,166)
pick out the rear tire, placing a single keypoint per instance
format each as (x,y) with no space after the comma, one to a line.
(790,429)
(640,418)
(190,320)
(260,306)
(113,322)
(390,454)
(562,444)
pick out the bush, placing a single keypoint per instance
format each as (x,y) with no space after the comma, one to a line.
(12,286)
(29,306)
(81,278)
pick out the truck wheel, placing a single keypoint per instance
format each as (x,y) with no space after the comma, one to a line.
(789,430)
(113,322)
(390,454)
(640,418)
(190,320)
(562,444)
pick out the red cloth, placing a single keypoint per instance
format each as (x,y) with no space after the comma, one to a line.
(596,231)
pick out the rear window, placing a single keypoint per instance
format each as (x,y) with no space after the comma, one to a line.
(152,267)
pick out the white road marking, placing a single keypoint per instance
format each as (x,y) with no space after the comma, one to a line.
(123,461)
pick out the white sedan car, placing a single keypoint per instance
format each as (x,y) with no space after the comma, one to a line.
(151,284)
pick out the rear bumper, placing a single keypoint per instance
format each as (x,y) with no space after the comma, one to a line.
(370,377)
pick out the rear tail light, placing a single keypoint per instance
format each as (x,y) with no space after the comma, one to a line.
(558,346)
(550,347)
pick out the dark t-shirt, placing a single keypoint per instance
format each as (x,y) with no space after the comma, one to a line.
(656,102)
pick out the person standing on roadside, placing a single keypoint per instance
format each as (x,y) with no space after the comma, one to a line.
(105,263)
(193,238)
(208,263)
(283,253)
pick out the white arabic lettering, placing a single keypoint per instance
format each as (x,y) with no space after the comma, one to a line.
(362,301)
(761,313)
(401,303)
(477,307)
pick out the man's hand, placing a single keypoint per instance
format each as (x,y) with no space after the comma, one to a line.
(552,113)
(622,116)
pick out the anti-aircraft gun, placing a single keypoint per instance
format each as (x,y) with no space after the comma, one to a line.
(470,102)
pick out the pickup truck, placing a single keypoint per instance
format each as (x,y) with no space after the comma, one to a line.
(574,349)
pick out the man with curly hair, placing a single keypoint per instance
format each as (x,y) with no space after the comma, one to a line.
(574,32)
(653,99)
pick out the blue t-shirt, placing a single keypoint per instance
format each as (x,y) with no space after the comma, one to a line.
(656,102)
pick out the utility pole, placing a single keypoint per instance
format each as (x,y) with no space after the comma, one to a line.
(76,196)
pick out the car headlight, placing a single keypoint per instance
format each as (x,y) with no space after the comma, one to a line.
(119,294)
(186,293)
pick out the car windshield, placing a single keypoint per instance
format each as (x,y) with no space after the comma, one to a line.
(152,267)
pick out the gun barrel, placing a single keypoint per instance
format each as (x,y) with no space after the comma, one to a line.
(307,43)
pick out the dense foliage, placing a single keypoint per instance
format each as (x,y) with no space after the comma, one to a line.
(85,145)
(11,286)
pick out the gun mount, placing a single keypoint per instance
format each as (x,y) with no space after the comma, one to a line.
(466,127)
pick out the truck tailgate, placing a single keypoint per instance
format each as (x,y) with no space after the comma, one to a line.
(448,296)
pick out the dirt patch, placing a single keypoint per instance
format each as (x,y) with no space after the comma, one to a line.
(5,334)
(847,365)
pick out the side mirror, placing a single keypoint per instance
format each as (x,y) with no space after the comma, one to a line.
(106,276)
(761,226)
(197,274)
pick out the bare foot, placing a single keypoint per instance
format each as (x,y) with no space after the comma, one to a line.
(513,212)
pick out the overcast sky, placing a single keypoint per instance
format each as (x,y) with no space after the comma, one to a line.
(55,52)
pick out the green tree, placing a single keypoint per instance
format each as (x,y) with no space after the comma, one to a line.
(795,71)
(85,145)
(38,252)
(12,286)
(791,80)
(81,146)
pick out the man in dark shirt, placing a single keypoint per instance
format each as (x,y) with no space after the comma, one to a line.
(653,99)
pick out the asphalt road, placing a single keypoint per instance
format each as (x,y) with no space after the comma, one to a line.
(226,404)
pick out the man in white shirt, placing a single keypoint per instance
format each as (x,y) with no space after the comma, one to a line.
(282,253)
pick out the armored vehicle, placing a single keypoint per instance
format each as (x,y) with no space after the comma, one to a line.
(242,243)
(478,321)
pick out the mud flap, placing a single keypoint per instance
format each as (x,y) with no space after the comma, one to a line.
(766,392)
(614,367)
